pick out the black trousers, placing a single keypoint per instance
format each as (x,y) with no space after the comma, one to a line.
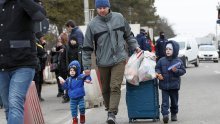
(38,78)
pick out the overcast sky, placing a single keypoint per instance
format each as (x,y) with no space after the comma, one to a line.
(194,17)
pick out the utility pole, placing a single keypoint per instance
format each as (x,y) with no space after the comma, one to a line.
(86,11)
(217,24)
(129,13)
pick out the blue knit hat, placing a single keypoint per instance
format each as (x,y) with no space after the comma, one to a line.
(102,3)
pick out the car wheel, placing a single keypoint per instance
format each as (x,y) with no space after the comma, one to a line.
(197,62)
(216,61)
(186,63)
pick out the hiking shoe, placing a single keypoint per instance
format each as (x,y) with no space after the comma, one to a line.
(173,117)
(111,118)
(41,99)
(59,94)
(65,100)
(165,119)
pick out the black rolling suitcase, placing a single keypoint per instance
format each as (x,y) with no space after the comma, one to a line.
(143,101)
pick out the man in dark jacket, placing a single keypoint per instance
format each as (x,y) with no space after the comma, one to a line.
(18,56)
(42,57)
(76,38)
(160,46)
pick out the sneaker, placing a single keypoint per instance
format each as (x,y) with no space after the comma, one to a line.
(41,99)
(165,118)
(111,118)
(59,94)
(65,100)
(173,117)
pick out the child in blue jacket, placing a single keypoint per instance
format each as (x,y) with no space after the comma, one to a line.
(168,71)
(76,92)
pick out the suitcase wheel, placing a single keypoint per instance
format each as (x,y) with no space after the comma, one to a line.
(131,120)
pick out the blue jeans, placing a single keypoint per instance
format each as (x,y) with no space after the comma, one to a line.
(74,103)
(13,88)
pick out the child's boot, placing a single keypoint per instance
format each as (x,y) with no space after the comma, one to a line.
(82,119)
(165,119)
(173,117)
(75,120)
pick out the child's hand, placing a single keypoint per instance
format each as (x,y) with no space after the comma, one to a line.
(174,69)
(88,81)
(62,81)
(159,76)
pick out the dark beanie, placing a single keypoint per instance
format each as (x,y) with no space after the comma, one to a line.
(39,35)
(102,3)
(142,31)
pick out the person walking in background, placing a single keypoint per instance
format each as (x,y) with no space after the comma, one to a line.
(168,71)
(55,61)
(76,91)
(75,34)
(41,57)
(110,32)
(18,55)
(160,46)
(64,62)
(143,41)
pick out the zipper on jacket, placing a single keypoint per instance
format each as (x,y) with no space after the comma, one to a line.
(116,36)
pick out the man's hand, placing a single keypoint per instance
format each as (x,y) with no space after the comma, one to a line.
(88,81)
(73,42)
(87,72)
(138,50)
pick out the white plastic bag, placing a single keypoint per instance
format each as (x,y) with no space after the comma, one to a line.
(146,70)
(131,68)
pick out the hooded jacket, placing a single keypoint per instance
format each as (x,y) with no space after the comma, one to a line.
(109,34)
(75,85)
(172,79)
(17,45)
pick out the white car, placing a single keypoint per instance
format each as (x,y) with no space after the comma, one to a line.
(208,53)
(189,51)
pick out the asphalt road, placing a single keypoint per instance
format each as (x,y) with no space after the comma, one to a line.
(198,102)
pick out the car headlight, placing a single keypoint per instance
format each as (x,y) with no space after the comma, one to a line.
(180,55)
(215,55)
(200,55)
